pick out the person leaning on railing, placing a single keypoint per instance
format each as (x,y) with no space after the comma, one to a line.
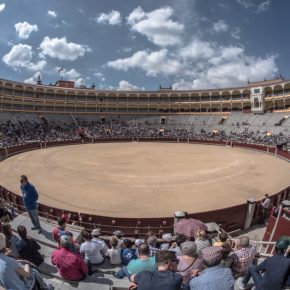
(275,269)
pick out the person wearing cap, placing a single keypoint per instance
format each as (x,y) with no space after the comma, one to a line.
(275,269)
(96,239)
(213,276)
(167,240)
(143,263)
(30,197)
(119,236)
(13,275)
(91,251)
(70,265)
(201,241)
(162,278)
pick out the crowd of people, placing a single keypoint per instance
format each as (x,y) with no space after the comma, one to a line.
(203,261)
(32,131)
(172,262)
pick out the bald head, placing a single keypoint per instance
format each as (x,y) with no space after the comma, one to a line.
(244,242)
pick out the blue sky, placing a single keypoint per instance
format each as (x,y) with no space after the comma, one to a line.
(131,44)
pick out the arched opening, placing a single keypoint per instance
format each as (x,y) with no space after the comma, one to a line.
(278,90)
(268,92)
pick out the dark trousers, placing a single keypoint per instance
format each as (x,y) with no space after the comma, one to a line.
(33,214)
(256,275)
(122,273)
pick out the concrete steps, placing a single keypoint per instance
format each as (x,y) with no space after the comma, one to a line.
(103,279)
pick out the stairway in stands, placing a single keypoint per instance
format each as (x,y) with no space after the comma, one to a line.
(103,279)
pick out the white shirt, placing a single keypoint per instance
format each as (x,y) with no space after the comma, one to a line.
(92,251)
(115,256)
(266,203)
(102,242)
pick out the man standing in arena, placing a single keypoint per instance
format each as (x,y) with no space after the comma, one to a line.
(30,197)
(266,207)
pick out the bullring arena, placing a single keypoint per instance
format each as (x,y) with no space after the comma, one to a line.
(143,180)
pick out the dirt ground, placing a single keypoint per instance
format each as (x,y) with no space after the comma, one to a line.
(146,179)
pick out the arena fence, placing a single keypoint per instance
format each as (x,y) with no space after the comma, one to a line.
(230,219)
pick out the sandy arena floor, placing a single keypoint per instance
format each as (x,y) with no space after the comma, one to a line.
(146,179)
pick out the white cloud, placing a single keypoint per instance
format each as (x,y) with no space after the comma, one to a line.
(235,33)
(24,29)
(61,49)
(156,25)
(237,72)
(197,49)
(40,65)
(33,79)
(112,18)
(52,13)
(152,63)
(264,6)
(100,76)
(20,56)
(246,3)
(2,7)
(220,26)
(126,86)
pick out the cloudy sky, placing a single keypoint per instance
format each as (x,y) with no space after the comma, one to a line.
(132,44)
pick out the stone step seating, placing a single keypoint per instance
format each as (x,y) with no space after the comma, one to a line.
(103,279)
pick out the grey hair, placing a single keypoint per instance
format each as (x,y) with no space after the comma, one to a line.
(189,249)
(244,241)
(65,241)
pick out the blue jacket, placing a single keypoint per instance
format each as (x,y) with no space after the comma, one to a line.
(30,196)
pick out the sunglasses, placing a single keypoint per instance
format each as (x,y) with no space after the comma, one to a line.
(175,261)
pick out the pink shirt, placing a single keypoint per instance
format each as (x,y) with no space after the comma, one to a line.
(182,265)
(70,265)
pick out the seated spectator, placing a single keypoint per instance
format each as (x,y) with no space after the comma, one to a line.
(201,241)
(59,230)
(167,240)
(128,253)
(118,235)
(188,261)
(176,244)
(143,263)
(114,253)
(163,278)
(4,215)
(27,248)
(227,255)
(152,243)
(91,251)
(14,276)
(275,269)
(137,243)
(222,238)
(243,257)
(6,229)
(70,265)
(96,239)
(214,276)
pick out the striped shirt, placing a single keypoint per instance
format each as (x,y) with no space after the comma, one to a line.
(243,259)
(216,278)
